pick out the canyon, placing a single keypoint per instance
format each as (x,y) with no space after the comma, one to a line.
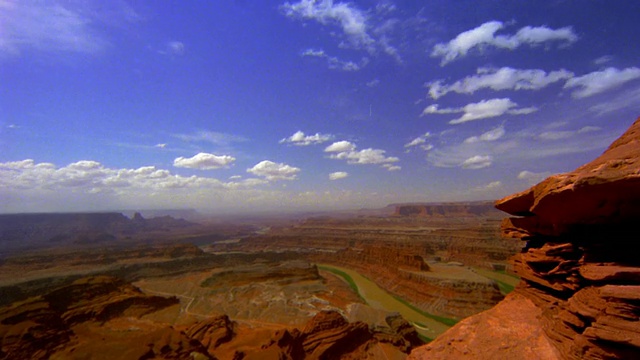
(579,295)
(171,288)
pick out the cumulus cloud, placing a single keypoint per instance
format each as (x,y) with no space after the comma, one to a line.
(601,81)
(480,110)
(300,139)
(418,141)
(345,150)
(477,162)
(338,175)
(333,62)
(351,20)
(92,177)
(340,146)
(485,36)
(505,78)
(204,161)
(491,135)
(272,171)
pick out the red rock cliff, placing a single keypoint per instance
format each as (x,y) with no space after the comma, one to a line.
(579,297)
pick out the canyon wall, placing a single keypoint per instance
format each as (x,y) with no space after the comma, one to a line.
(579,297)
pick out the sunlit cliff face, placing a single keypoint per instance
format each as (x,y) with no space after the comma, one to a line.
(304,104)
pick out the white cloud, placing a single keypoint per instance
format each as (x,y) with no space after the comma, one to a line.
(418,141)
(489,187)
(300,139)
(505,78)
(480,110)
(351,20)
(392,167)
(345,150)
(485,36)
(338,175)
(366,156)
(340,146)
(491,135)
(47,26)
(204,161)
(161,146)
(601,81)
(274,171)
(435,109)
(533,177)
(333,62)
(477,162)
(603,60)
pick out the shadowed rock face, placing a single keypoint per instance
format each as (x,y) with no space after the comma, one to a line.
(579,297)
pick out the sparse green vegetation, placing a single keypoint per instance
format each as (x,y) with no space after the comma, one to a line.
(441,319)
(346,277)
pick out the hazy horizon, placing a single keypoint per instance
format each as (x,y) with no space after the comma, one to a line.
(230,107)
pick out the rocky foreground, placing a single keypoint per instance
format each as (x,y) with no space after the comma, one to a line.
(579,297)
(102,317)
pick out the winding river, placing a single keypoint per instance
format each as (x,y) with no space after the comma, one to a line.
(378,298)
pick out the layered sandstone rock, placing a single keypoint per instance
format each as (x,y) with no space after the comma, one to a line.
(579,297)
(37,327)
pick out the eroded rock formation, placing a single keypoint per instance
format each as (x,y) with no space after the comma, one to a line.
(579,297)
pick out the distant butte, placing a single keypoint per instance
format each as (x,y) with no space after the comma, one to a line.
(579,297)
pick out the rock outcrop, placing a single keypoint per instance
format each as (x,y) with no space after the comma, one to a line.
(579,297)
(37,327)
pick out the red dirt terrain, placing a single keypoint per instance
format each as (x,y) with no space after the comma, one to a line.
(579,297)
(103,317)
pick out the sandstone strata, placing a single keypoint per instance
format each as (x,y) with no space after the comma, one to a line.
(579,297)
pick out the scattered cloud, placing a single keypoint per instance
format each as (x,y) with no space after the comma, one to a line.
(480,110)
(488,187)
(477,162)
(204,161)
(565,134)
(533,177)
(628,100)
(300,139)
(603,60)
(333,62)
(373,83)
(176,48)
(418,141)
(161,146)
(505,78)
(340,146)
(338,175)
(351,20)
(274,171)
(47,26)
(601,81)
(345,150)
(485,36)
(392,167)
(491,135)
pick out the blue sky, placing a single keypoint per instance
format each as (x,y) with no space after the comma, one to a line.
(232,106)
